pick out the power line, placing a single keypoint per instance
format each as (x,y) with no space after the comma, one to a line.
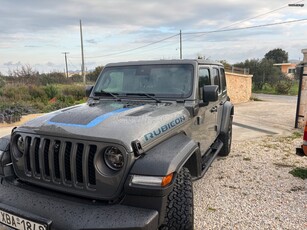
(260,15)
(72,64)
(199,33)
(247,19)
(133,49)
(222,29)
(247,27)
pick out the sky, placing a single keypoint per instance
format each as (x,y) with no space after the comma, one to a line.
(36,33)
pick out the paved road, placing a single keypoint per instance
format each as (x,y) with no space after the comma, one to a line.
(273,114)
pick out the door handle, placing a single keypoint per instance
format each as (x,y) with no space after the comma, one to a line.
(213,109)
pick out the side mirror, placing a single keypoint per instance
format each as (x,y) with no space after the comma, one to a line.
(210,93)
(88,90)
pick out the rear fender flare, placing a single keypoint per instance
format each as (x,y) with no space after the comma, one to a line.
(228,110)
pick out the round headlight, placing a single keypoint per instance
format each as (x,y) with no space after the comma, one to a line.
(21,144)
(114,158)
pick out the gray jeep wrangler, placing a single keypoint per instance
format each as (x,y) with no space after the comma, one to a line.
(124,160)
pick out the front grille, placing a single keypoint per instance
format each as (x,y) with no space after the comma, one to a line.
(67,162)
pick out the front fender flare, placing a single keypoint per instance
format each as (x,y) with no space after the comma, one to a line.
(170,156)
(6,169)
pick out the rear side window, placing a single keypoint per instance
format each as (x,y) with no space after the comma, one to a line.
(223,80)
(216,78)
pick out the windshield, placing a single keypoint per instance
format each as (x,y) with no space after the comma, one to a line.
(174,80)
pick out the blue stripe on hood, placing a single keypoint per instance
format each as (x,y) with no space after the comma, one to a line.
(92,123)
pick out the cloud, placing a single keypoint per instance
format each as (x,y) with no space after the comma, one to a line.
(50,64)
(92,41)
(12,64)
(52,27)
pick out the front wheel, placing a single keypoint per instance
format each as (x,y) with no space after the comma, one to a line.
(179,211)
(226,138)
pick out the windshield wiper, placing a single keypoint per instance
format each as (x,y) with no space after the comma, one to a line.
(101,93)
(152,96)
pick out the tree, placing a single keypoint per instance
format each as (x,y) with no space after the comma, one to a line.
(53,78)
(277,55)
(26,71)
(226,64)
(24,74)
(92,76)
(262,70)
(76,78)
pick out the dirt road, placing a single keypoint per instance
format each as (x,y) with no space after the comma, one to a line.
(5,129)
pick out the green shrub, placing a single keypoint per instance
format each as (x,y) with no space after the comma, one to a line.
(2,82)
(16,93)
(51,91)
(62,102)
(76,78)
(53,78)
(76,91)
(283,87)
(66,99)
(37,94)
(38,97)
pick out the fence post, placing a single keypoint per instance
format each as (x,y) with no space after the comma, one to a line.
(301,109)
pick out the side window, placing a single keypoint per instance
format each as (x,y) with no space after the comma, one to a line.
(204,79)
(216,78)
(223,79)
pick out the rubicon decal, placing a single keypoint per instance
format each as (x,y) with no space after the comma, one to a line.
(164,128)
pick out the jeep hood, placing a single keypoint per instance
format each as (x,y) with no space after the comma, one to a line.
(113,122)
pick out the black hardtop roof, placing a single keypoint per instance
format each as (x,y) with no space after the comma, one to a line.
(159,62)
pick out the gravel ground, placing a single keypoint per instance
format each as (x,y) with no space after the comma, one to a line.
(253,189)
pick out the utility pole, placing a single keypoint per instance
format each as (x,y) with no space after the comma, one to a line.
(180,45)
(65,53)
(82,55)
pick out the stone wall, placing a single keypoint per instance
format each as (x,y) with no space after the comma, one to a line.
(239,87)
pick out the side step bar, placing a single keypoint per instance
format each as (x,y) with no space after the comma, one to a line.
(209,157)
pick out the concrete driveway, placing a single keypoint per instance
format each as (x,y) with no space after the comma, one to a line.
(272,115)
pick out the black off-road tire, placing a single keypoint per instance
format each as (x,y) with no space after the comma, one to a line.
(226,138)
(180,207)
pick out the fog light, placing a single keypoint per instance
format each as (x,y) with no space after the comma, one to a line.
(114,158)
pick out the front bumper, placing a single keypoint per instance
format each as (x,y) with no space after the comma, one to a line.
(67,212)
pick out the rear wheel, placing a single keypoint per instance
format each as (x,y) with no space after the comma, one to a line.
(226,138)
(179,211)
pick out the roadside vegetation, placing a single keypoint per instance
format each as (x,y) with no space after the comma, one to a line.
(27,91)
(291,89)
(268,78)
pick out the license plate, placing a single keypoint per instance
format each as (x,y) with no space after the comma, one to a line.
(20,223)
